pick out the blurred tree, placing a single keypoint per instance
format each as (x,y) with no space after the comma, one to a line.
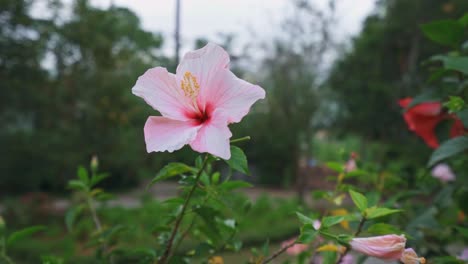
(383,65)
(290,74)
(21,51)
(85,106)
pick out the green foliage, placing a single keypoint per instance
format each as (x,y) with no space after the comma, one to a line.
(80,105)
(448,149)
(23,234)
(445,32)
(171,170)
(238,160)
(359,200)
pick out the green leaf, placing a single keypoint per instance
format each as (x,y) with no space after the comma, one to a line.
(77,185)
(24,233)
(304,219)
(429,96)
(336,166)
(455,104)
(238,160)
(359,200)
(463,115)
(383,229)
(464,20)
(331,221)
(307,235)
(71,216)
(83,174)
(232,185)
(171,170)
(448,148)
(457,64)
(463,231)
(98,178)
(445,32)
(375,212)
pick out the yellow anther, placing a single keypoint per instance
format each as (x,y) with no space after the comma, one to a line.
(190,85)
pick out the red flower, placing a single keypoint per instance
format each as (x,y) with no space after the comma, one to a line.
(424,117)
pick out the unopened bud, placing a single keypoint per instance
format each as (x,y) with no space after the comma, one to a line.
(2,226)
(94,163)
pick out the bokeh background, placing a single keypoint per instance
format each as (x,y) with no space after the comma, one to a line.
(333,71)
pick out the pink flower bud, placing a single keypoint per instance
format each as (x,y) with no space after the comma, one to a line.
(409,256)
(443,172)
(389,247)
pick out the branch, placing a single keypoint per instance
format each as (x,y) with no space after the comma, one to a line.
(279,252)
(167,252)
(358,231)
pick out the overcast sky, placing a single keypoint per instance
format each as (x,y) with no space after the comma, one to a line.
(206,18)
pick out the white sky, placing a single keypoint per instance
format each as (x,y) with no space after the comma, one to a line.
(206,18)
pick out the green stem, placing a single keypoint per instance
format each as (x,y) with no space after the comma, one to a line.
(167,252)
(237,140)
(92,209)
(358,231)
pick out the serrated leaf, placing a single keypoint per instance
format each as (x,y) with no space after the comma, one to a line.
(331,221)
(445,32)
(171,170)
(449,148)
(232,185)
(238,160)
(24,233)
(375,212)
(359,200)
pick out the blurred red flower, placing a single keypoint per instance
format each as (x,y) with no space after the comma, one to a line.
(424,117)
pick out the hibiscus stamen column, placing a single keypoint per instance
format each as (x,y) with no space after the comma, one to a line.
(167,252)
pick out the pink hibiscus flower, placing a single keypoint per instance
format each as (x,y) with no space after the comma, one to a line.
(197,103)
(384,247)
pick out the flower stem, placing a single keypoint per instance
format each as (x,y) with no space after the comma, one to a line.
(358,231)
(237,140)
(279,252)
(92,209)
(167,252)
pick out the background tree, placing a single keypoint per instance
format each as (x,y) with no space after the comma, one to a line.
(82,104)
(382,66)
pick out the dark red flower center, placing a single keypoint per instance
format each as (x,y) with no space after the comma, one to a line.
(201,117)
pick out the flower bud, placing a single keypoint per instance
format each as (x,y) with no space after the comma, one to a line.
(443,172)
(389,247)
(94,163)
(409,256)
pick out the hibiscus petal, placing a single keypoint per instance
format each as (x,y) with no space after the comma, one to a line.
(203,63)
(164,134)
(232,95)
(213,137)
(160,90)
